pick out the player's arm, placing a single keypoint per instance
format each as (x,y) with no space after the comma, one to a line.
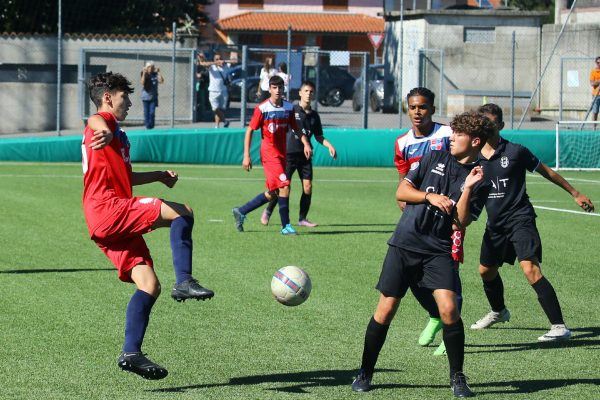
(409,194)
(307,148)
(580,198)
(168,178)
(296,127)
(463,210)
(321,139)
(247,161)
(401,204)
(102,135)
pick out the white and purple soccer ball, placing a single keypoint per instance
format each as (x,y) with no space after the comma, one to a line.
(291,286)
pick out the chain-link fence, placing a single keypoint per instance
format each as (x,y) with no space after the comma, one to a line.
(176,95)
(575,95)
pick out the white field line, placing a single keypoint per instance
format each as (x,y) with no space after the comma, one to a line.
(567,211)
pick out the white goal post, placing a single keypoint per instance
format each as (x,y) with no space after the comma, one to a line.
(577,145)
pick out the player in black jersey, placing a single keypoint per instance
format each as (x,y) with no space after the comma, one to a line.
(511,231)
(310,123)
(441,189)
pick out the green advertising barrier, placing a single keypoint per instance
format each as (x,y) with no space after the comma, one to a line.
(355,147)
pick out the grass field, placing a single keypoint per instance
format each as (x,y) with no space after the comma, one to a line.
(62,307)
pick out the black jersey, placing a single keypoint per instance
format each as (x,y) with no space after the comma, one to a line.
(310,123)
(423,227)
(505,170)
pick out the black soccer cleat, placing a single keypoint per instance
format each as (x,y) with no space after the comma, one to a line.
(238,218)
(362,382)
(191,289)
(139,364)
(458,384)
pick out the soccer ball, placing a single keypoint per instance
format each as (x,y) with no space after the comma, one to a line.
(291,286)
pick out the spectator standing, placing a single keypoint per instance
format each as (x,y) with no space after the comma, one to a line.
(283,73)
(595,82)
(202,80)
(218,94)
(266,72)
(150,78)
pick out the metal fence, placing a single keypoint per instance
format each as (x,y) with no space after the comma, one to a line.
(575,96)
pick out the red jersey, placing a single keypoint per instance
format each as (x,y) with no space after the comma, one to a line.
(274,123)
(106,174)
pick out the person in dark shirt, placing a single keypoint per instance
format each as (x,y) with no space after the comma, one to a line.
(511,231)
(441,189)
(310,123)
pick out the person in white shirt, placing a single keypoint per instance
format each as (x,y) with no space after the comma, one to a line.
(286,79)
(266,72)
(217,89)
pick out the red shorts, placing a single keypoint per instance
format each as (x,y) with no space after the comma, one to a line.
(275,173)
(120,237)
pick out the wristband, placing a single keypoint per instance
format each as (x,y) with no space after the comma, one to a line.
(426,195)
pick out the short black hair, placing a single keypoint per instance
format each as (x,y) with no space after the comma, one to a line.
(474,124)
(308,83)
(422,91)
(283,67)
(276,80)
(492,109)
(107,82)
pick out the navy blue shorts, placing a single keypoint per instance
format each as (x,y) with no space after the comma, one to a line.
(402,267)
(521,240)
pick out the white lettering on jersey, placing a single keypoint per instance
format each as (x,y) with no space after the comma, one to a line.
(499,185)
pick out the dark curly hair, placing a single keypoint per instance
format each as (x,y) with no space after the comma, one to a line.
(422,91)
(475,125)
(107,82)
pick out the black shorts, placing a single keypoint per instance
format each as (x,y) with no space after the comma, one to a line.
(521,240)
(402,267)
(298,162)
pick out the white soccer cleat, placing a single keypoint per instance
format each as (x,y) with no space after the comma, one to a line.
(492,318)
(556,333)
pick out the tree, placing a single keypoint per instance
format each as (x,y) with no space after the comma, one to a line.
(98,16)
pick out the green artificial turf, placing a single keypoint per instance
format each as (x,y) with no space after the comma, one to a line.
(62,306)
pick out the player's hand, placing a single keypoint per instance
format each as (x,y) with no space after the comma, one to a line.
(247,163)
(440,201)
(169,178)
(474,177)
(402,205)
(100,139)
(332,152)
(307,152)
(585,203)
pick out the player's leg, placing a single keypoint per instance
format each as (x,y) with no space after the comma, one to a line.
(441,349)
(495,249)
(548,300)
(306,174)
(284,211)
(393,284)
(290,167)
(180,217)
(239,213)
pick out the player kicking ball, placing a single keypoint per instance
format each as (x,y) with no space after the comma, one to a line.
(117,220)
(443,189)
(511,231)
(274,117)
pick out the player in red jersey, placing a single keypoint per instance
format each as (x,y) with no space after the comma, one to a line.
(117,220)
(274,117)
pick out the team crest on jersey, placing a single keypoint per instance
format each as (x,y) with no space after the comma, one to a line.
(436,144)
(414,165)
(282,177)
(272,127)
(504,162)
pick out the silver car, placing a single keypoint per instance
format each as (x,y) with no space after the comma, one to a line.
(375,95)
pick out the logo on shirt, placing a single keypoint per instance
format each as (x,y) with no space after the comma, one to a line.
(414,165)
(439,169)
(272,127)
(504,162)
(411,152)
(282,177)
(436,144)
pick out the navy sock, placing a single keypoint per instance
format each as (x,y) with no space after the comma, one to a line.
(136,320)
(494,290)
(271,206)
(454,339)
(304,205)
(374,340)
(181,247)
(254,204)
(548,300)
(284,210)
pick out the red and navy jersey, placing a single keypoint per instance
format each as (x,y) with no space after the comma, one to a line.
(505,171)
(410,148)
(274,123)
(423,227)
(106,174)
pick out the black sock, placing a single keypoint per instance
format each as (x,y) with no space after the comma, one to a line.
(374,340)
(425,298)
(548,301)
(454,339)
(304,205)
(494,290)
(271,205)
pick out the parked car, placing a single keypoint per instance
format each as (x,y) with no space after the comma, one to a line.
(375,95)
(252,82)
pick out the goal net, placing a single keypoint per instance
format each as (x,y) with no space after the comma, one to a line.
(578,145)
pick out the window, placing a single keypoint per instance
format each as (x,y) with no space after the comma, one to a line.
(480,35)
(250,3)
(335,5)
